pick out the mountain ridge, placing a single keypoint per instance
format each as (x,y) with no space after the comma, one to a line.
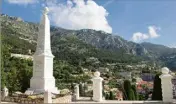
(96,39)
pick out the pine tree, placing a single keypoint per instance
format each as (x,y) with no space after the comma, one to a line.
(131,95)
(107,96)
(135,92)
(157,92)
(111,96)
(128,90)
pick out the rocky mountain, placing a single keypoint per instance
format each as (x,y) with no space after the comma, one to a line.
(102,40)
(21,36)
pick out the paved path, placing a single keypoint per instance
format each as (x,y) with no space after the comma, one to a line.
(87,100)
(108,102)
(8,103)
(119,102)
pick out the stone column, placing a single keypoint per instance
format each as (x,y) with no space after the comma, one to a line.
(97,87)
(5,92)
(47,97)
(77,91)
(166,85)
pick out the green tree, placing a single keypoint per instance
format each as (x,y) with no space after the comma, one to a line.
(135,92)
(81,90)
(141,97)
(128,91)
(112,83)
(13,83)
(111,96)
(24,76)
(4,61)
(16,73)
(133,80)
(157,92)
(107,96)
(131,95)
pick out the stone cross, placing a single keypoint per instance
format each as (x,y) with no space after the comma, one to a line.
(97,87)
(166,85)
(47,97)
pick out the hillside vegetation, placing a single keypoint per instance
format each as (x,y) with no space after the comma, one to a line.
(74,51)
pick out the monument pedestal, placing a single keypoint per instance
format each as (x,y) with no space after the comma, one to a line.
(40,85)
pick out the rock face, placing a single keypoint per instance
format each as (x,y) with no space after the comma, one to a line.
(102,40)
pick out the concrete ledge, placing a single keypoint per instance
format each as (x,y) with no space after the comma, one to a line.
(120,102)
(8,103)
(107,102)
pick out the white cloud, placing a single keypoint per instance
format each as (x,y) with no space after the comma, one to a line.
(23,2)
(139,36)
(152,33)
(79,14)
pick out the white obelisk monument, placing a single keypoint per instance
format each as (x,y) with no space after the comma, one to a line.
(43,79)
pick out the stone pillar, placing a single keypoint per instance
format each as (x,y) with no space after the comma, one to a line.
(166,85)
(97,87)
(5,92)
(47,97)
(77,91)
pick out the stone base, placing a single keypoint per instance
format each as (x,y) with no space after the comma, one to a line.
(31,91)
(40,85)
(97,100)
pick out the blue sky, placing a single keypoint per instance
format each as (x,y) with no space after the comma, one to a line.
(138,20)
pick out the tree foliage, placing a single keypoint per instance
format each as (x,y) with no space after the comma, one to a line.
(127,88)
(111,96)
(135,92)
(130,91)
(157,91)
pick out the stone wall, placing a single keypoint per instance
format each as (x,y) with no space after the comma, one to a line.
(21,56)
(22,100)
(64,99)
